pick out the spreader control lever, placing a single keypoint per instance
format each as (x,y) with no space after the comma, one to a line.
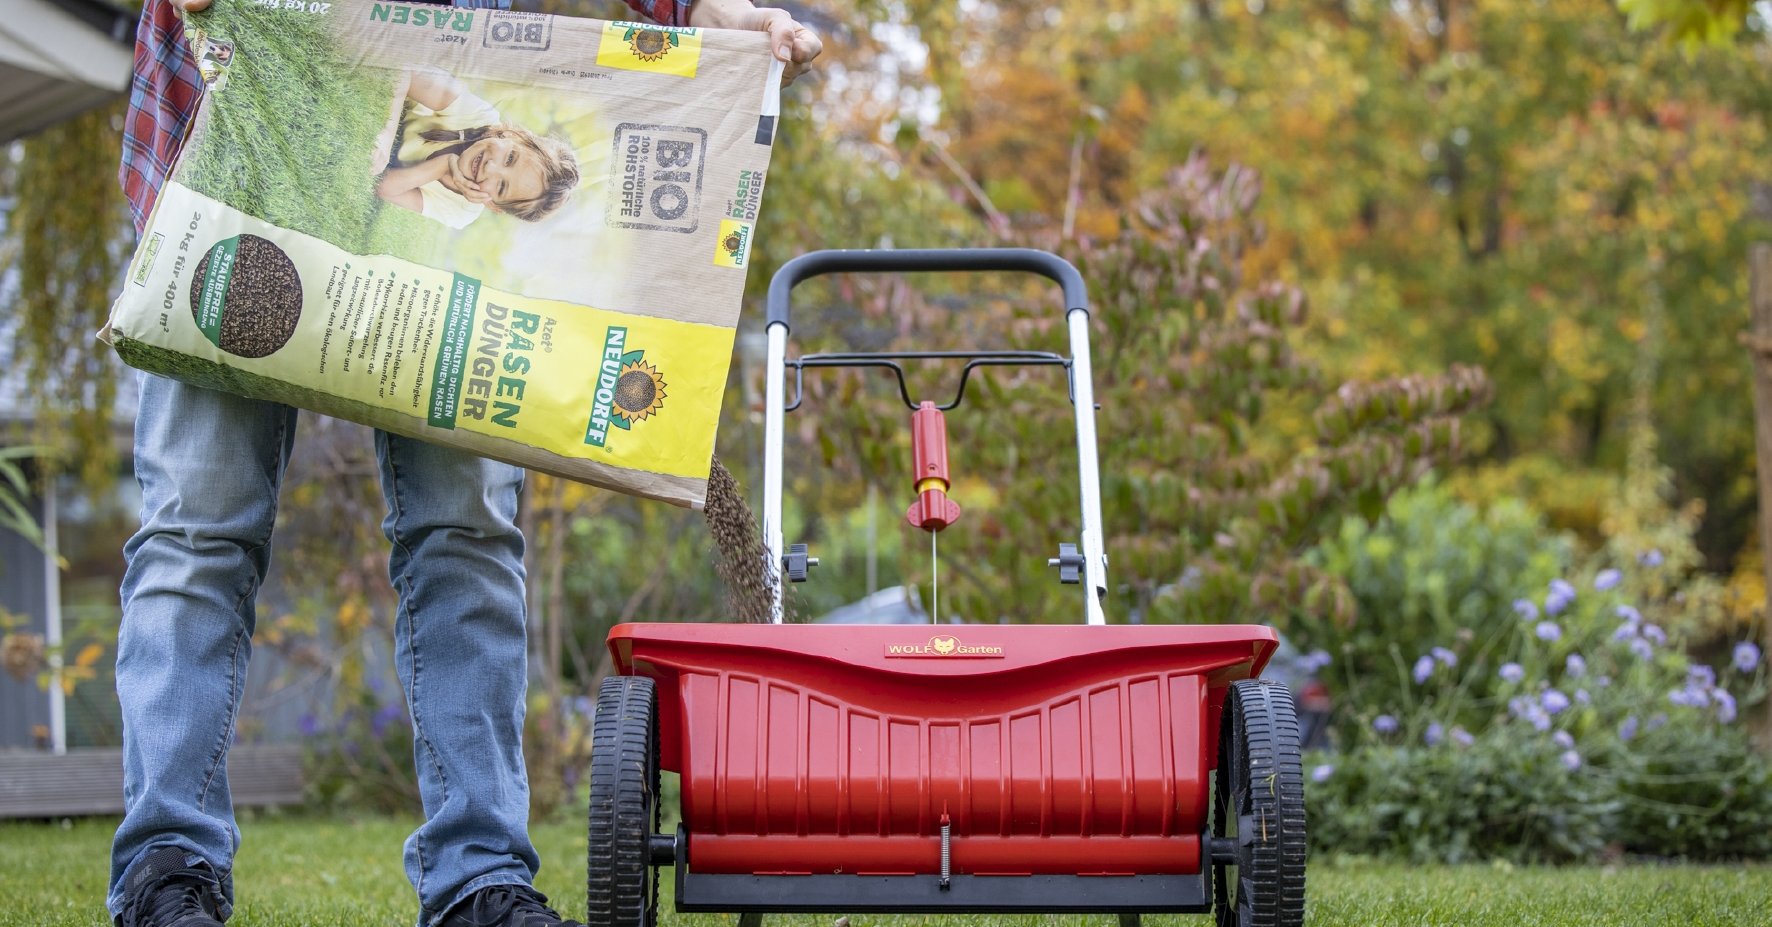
(933,510)
(1069,563)
(797,565)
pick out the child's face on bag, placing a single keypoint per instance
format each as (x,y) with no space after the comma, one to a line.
(504,169)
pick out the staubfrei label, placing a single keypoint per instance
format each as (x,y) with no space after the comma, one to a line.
(519,234)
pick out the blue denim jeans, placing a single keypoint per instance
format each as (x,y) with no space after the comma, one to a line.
(209,465)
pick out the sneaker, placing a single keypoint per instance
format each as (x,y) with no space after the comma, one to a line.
(505,906)
(165,891)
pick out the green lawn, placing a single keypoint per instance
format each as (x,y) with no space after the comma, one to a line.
(314,872)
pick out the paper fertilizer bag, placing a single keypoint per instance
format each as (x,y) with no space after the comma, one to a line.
(521,235)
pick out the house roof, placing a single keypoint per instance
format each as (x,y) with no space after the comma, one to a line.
(59,58)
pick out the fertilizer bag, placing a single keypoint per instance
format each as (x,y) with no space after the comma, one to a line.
(521,235)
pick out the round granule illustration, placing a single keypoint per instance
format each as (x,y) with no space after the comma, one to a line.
(263,300)
(635,391)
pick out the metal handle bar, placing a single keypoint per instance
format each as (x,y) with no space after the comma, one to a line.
(930,260)
(1076,300)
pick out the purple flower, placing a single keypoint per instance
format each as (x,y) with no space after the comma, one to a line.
(1317,659)
(1462,737)
(1571,760)
(1607,579)
(1564,739)
(1575,666)
(1654,633)
(308,724)
(1322,772)
(1642,648)
(1627,728)
(1548,631)
(1512,672)
(1553,701)
(1385,724)
(1658,719)
(1603,681)
(1435,733)
(1746,657)
(1444,656)
(1525,609)
(1561,594)
(1650,558)
(1688,697)
(1701,675)
(385,716)
(1527,709)
(1424,667)
(1581,697)
(1725,705)
(1629,614)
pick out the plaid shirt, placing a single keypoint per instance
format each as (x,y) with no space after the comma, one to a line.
(166,89)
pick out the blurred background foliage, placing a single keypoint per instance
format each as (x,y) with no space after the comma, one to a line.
(1334,247)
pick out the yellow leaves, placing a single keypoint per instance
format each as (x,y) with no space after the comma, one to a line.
(88,656)
(352,617)
(1575,350)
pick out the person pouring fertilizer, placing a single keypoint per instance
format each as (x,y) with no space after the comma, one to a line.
(210,462)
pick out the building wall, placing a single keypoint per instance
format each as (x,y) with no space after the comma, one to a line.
(22,704)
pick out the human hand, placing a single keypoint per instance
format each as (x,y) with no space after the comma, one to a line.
(792,42)
(451,174)
(191,6)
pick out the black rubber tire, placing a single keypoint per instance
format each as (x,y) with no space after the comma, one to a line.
(621,886)
(1258,799)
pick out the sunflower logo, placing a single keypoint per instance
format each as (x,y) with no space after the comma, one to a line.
(650,44)
(639,392)
(733,243)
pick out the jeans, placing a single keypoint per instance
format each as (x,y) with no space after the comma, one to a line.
(209,465)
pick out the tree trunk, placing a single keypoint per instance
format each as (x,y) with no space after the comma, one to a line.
(1759,339)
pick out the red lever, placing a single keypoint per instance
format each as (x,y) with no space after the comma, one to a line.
(933,510)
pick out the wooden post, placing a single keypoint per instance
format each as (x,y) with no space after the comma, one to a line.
(1759,260)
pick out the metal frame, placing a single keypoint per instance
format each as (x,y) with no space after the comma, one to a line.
(702,892)
(1082,390)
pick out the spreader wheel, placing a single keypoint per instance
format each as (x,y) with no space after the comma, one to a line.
(1258,809)
(621,884)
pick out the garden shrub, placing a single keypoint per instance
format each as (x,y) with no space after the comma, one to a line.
(1567,721)
(1501,797)
(1432,571)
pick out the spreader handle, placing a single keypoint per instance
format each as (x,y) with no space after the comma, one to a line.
(963,260)
(929,260)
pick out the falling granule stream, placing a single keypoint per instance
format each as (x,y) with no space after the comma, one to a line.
(743,560)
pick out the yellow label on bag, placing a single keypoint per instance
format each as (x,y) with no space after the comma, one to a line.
(642,47)
(733,248)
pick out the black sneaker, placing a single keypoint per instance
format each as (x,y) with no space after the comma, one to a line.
(505,906)
(162,890)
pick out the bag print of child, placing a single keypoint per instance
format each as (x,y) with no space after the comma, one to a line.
(449,156)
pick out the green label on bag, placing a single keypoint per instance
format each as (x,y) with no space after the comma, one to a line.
(458,324)
(215,288)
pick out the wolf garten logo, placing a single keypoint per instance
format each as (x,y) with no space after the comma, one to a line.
(629,390)
(944,646)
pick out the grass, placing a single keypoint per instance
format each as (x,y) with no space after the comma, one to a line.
(297,871)
(292,144)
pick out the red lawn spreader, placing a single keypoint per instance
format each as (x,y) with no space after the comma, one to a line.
(962,769)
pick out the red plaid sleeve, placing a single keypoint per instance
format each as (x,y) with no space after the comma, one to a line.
(163,96)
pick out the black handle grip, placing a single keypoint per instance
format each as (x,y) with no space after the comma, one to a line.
(933,260)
